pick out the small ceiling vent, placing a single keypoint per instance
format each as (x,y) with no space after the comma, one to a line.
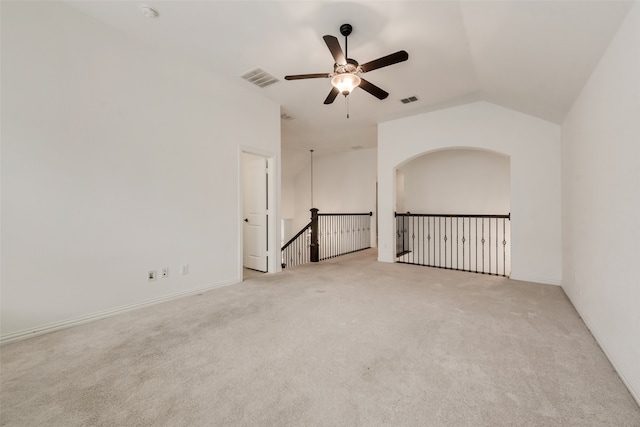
(259,77)
(408,100)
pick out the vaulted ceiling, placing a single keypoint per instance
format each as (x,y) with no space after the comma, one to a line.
(530,56)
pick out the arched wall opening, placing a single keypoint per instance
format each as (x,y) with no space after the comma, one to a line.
(447,202)
(533,148)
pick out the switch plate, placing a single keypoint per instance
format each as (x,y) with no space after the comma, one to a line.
(165,272)
(184,269)
(153,274)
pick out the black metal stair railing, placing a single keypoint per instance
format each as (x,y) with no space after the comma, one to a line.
(328,235)
(475,243)
(296,250)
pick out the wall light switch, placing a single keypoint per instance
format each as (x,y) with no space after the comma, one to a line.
(165,272)
(184,269)
(153,274)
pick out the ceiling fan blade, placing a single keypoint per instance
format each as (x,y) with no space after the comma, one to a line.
(332,96)
(394,58)
(307,76)
(372,89)
(336,51)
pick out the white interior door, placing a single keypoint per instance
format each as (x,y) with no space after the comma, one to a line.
(255,212)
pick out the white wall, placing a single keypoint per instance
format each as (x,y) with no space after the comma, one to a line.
(601,202)
(288,197)
(342,182)
(457,181)
(533,146)
(117,159)
(400,191)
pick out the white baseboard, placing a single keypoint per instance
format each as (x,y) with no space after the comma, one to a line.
(543,280)
(56,326)
(634,393)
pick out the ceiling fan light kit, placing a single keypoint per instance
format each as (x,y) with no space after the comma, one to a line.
(346,83)
(345,70)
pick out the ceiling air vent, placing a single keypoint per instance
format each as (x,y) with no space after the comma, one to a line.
(259,77)
(408,100)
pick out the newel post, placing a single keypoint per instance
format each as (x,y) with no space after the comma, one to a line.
(314,249)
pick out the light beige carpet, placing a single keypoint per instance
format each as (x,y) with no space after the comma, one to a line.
(346,342)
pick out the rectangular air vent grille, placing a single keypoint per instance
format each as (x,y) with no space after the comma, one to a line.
(408,100)
(259,77)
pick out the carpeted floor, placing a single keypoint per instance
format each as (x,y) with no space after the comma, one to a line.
(346,342)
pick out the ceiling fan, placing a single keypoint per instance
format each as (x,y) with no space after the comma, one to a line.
(345,70)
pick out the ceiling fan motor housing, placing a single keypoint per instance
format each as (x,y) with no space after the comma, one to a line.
(350,67)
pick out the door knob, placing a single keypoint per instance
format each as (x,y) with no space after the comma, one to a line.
(246,220)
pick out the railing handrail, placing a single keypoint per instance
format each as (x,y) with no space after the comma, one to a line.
(345,214)
(296,236)
(507,216)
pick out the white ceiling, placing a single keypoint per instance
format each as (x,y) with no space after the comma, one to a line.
(530,56)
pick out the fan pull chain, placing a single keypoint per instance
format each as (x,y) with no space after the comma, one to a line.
(346,102)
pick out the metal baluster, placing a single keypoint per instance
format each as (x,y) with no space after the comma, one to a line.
(483,245)
(356,223)
(439,241)
(355,246)
(428,240)
(476,244)
(504,248)
(333,238)
(347,244)
(334,231)
(423,241)
(340,231)
(322,224)
(342,235)
(336,228)
(340,220)
(415,243)
(419,242)
(327,237)
(445,243)
(489,246)
(463,243)
(451,244)
(497,266)
(367,236)
(457,244)
(350,227)
(359,227)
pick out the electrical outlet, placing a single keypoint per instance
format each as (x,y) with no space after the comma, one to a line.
(165,272)
(184,269)
(153,274)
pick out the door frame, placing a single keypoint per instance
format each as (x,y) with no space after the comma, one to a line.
(273,209)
